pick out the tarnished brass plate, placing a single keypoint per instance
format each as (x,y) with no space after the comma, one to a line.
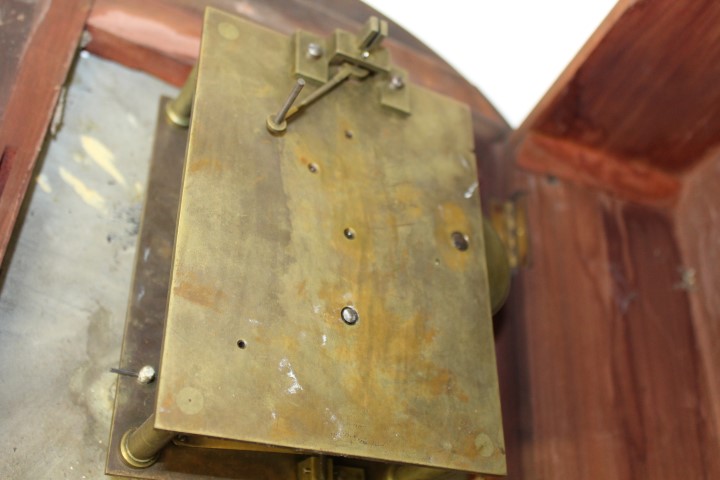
(134,402)
(255,348)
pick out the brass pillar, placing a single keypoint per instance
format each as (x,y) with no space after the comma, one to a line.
(497,265)
(140,447)
(178,110)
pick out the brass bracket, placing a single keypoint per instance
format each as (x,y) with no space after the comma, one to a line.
(509,219)
(314,56)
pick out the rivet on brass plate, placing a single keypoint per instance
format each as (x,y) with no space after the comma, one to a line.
(242,344)
(314,50)
(349,233)
(313,167)
(397,82)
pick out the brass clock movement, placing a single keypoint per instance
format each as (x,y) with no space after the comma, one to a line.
(318,299)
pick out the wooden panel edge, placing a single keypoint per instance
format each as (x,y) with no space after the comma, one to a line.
(31,103)
(624,177)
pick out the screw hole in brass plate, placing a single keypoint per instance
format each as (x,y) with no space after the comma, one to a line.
(460,241)
(349,315)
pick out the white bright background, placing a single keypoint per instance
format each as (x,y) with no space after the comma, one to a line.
(512,50)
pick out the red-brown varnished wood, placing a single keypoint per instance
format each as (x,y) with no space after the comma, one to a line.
(652,68)
(17,19)
(697,226)
(40,72)
(636,106)
(626,178)
(600,362)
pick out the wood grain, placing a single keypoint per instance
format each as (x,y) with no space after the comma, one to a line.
(601,375)
(626,178)
(644,87)
(697,227)
(41,71)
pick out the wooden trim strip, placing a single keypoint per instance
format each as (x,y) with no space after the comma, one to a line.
(43,69)
(628,179)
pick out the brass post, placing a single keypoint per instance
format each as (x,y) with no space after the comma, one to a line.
(140,447)
(178,110)
(498,267)
(276,124)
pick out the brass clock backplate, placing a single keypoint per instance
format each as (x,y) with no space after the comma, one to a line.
(356,205)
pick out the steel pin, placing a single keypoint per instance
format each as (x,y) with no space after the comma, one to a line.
(121,371)
(280,117)
(277,124)
(145,375)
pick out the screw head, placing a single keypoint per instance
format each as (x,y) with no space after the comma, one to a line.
(146,374)
(314,50)
(396,82)
(365,54)
(350,315)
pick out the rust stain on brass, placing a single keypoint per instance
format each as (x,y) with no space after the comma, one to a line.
(205,164)
(190,288)
(355,205)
